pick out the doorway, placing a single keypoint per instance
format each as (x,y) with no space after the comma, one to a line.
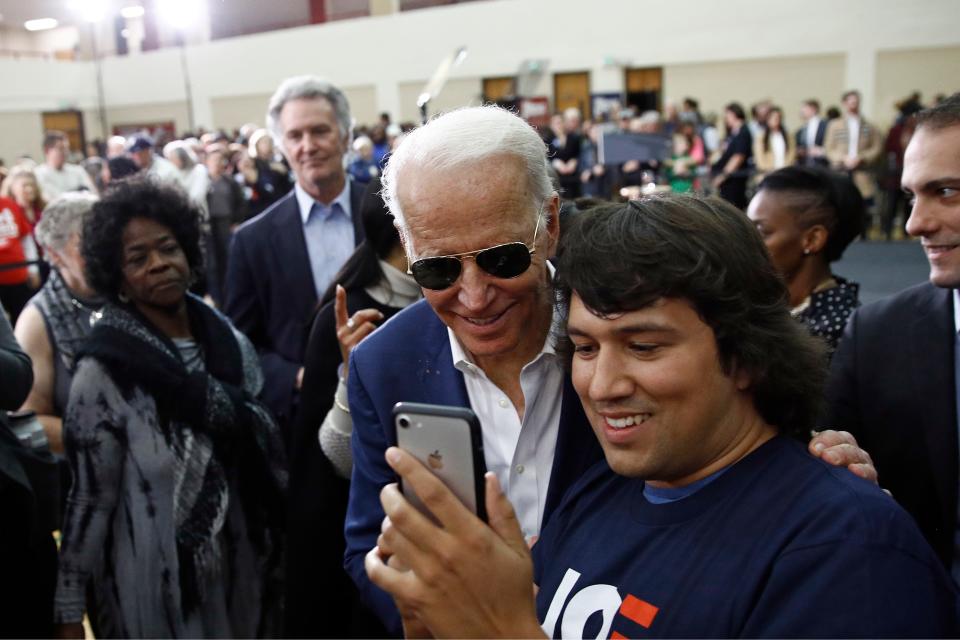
(644,89)
(70,123)
(572,90)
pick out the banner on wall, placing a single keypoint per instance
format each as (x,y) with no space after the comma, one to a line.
(535,110)
(157,130)
(601,104)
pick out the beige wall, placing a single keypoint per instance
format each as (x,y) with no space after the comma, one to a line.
(457,92)
(363,103)
(787,81)
(786,51)
(234,111)
(900,73)
(22,135)
(146,113)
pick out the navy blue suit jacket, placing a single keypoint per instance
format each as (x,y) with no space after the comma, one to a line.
(409,359)
(892,386)
(271,296)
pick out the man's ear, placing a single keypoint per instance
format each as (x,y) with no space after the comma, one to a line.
(742,378)
(553,224)
(814,239)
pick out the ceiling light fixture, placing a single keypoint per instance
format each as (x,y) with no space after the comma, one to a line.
(89,10)
(134,11)
(40,24)
(181,14)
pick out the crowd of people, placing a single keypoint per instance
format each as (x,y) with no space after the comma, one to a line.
(220,327)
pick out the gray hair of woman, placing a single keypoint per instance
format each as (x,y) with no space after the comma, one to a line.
(63,218)
(183,154)
(308,88)
(466,135)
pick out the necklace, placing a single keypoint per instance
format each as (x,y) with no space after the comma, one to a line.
(95,314)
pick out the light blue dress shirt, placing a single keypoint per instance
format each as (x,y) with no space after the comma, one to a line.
(328,230)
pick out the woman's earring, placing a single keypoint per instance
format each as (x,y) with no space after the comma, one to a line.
(122,297)
(806,252)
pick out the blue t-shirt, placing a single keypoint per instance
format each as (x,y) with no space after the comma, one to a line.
(780,545)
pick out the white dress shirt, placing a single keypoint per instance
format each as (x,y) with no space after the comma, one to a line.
(778,145)
(853,144)
(813,124)
(519,453)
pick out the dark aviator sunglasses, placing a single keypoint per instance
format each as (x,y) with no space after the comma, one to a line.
(501,261)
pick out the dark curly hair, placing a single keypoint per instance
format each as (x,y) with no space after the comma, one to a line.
(623,257)
(135,197)
(817,196)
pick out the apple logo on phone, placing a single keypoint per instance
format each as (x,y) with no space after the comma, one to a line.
(435,460)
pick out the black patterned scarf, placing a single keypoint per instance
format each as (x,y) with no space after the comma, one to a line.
(216,430)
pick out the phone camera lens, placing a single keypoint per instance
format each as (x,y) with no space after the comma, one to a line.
(404,422)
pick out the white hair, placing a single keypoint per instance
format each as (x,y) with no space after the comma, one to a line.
(308,88)
(182,151)
(464,136)
(650,117)
(63,218)
(362,141)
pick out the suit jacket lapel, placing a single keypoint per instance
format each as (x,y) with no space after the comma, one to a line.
(933,342)
(442,383)
(293,262)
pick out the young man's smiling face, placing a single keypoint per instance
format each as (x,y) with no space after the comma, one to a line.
(652,386)
(931,179)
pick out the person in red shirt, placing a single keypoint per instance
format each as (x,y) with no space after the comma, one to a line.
(15,285)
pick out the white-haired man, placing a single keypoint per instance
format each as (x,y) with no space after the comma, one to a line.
(479,221)
(283,260)
(280,264)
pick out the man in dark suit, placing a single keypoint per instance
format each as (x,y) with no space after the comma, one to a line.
(283,260)
(894,381)
(810,151)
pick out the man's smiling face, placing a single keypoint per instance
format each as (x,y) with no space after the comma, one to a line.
(471,207)
(931,179)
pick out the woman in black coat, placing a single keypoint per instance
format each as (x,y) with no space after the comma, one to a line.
(372,286)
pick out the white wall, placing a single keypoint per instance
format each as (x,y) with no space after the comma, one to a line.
(394,53)
(786,80)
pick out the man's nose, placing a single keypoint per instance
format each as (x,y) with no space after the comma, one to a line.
(923,220)
(309,142)
(474,286)
(609,382)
